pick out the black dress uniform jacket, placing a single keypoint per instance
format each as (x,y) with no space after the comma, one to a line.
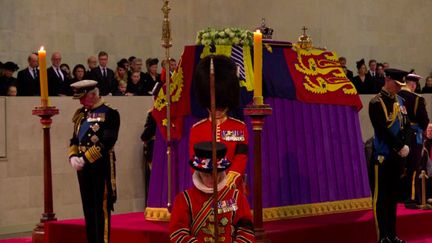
(417,114)
(93,139)
(390,121)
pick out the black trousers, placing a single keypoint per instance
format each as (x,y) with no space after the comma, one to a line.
(385,186)
(95,203)
(411,186)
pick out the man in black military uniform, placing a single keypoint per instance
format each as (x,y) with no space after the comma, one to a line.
(91,153)
(389,120)
(417,114)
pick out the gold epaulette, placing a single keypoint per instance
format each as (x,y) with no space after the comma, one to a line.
(109,105)
(78,115)
(375,99)
(200,122)
(237,120)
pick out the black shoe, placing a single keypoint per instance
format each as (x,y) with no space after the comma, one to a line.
(411,205)
(385,240)
(397,240)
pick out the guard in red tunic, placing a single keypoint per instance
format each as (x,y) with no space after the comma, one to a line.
(192,218)
(232,132)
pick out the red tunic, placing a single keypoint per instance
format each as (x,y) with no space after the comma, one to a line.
(192,218)
(233,133)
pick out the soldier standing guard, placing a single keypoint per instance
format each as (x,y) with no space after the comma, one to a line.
(192,218)
(389,120)
(91,153)
(232,132)
(417,114)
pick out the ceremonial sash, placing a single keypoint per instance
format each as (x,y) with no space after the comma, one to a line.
(86,124)
(205,212)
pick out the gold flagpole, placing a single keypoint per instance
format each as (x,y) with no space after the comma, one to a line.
(166,43)
(214,158)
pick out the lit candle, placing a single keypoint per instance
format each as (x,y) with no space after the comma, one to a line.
(43,77)
(258,98)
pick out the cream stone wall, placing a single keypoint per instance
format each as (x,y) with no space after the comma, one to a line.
(393,31)
(21,180)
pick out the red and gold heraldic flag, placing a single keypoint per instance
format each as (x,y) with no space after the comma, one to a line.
(319,78)
(180,96)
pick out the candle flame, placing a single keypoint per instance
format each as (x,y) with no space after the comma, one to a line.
(258,31)
(42,48)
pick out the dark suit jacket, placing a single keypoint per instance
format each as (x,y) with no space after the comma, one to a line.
(106,84)
(26,84)
(57,86)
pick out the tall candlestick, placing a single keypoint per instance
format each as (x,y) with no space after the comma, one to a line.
(43,77)
(258,98)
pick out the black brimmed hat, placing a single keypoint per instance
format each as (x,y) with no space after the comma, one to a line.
(413,77)
(10,66)
(203,153)
(83,87)
(399,76)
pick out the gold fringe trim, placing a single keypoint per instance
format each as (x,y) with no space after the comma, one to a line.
(315,209)
(287,212)
(157,214)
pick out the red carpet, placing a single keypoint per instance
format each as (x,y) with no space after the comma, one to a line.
(17,240)
(353,227)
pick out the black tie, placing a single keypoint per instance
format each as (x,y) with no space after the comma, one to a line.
(35,73)
(59,74)
(104,72)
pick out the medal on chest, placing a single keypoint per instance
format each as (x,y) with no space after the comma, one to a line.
(96,117)
(232,135)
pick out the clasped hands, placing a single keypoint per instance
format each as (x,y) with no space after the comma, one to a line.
(404,151)
(76,162)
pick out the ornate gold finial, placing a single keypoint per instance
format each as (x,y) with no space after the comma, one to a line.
(166,29)
(304,41)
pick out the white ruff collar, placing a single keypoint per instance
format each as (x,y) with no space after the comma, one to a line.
(198,183)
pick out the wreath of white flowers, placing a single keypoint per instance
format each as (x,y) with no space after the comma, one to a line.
(227,36)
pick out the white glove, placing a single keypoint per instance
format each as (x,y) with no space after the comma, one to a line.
(77,163)
(404,151)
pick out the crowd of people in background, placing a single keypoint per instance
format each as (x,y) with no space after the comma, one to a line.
(127,79)
(370,79)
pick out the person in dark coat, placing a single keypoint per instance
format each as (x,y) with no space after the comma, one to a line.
(148,137)
(362,82)
(7,79)
(103,75)
(91,154)
(418,116)
(390,122)
(151,77)
(427,89)
(57,78)
(28,83)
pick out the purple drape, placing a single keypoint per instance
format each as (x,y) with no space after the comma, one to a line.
(310,152)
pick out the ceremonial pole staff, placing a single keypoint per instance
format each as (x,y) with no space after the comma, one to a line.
(214,158)
(166,43)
